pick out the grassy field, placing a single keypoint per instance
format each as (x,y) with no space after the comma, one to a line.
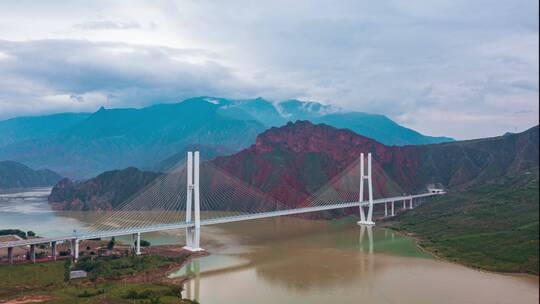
(493,226)
(47,279)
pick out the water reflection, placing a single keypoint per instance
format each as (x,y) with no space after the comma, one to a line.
(297,266)
(367,261)
(362,243)
(192,287)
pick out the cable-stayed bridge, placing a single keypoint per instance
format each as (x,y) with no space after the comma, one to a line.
(191,196)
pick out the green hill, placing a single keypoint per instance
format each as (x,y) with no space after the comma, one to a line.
(493,226)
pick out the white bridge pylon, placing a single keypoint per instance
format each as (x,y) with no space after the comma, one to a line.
(193,233)
(363,219)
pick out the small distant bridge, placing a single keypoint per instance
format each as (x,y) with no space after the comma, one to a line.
(160,206)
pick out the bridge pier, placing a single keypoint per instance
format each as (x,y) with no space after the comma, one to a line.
(33,253)
(138,243)
(363,219)
(53,250)
(411,205)
(75,249)
(393,214)
(385,209)
(10,255)
(404,205)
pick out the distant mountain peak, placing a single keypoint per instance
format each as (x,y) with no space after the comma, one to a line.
(82,144)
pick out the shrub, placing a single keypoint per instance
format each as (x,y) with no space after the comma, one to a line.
(17,232)
(67,269)
(110,245)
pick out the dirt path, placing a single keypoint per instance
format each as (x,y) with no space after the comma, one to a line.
(29,299)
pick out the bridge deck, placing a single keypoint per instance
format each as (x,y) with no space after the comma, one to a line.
(235,218)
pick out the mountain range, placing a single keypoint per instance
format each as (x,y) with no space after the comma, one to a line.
(307,156)
(17,175)
(81,145)
(292,162)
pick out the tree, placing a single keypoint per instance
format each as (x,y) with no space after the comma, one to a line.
(67,269)
(31,233)
(110,245)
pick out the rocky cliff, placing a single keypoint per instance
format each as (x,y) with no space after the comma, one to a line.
(17,175)
(305,156)
(103,192)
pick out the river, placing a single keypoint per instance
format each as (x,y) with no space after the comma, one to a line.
(291,260)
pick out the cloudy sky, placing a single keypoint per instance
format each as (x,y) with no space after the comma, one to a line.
(459,68)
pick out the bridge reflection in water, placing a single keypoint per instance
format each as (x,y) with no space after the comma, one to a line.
(192,270)
(192,286)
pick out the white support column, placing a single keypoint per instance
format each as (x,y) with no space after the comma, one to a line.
(193,234)
(404,205)
(370,191)
(385,209)
(361,196)
(393,208)
(363,219)
(138,244)
(411,205)
(189,200)
(196,197)
(76,244)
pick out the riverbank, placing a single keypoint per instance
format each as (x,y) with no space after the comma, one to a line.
(129,279)
(441,257)
(492,227)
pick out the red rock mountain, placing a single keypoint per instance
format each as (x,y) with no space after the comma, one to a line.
(294,161)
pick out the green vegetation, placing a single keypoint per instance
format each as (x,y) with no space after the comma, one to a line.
(117,267)
(67,269)
(47,279)
(494,226)
(111,243)
(17,232)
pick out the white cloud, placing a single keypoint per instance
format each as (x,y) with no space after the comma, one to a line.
(457,59)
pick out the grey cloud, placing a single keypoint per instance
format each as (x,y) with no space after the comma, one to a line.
(123,74)
(76,98)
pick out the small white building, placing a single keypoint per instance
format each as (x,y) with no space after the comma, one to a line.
(77,274)
(435,190)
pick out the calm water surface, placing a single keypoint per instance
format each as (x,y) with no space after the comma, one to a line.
(290,260)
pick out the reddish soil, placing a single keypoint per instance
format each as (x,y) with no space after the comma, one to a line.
(28,299)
